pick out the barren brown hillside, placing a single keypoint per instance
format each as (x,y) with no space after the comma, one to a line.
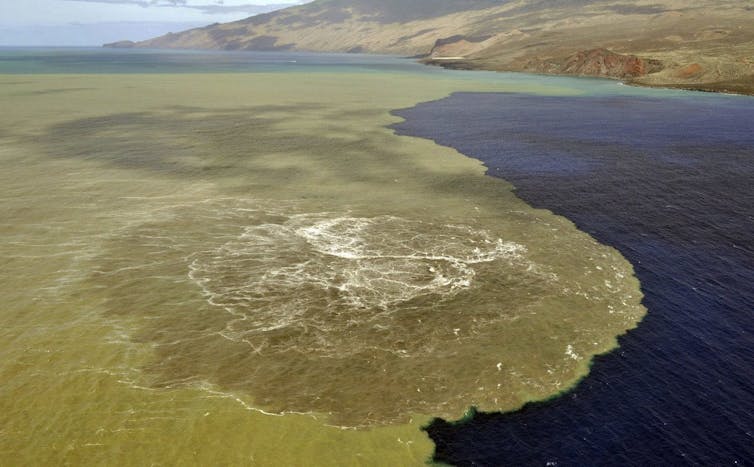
(704,44)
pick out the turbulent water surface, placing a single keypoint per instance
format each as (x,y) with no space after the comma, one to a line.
(216,266)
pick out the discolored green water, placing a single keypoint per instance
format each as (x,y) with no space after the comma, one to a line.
(236,268)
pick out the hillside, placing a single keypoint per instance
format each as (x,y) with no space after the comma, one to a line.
(704,44)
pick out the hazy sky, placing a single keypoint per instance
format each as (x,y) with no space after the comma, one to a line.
(91,22)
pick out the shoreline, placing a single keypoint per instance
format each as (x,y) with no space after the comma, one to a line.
(460,63)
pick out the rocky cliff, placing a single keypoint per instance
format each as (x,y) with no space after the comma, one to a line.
(597,62)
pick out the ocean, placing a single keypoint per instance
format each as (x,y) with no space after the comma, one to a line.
(668,182)
(234,258)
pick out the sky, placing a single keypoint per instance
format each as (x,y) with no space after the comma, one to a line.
(94,22)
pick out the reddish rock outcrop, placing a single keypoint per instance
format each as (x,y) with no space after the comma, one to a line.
(596,62)
(690,71)
(603,62)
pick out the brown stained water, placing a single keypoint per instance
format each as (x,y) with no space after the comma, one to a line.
(252,268)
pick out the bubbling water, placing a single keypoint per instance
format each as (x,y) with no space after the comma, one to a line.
(314,266)
(365,317)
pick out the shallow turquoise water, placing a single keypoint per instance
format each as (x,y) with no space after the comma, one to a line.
(137,61)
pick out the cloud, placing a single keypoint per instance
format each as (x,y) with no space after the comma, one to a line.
(141,3)
(250,9)
(218,7)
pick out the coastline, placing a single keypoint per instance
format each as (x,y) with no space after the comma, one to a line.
(740,88)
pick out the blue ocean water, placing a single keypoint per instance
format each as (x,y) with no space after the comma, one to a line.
(669,183)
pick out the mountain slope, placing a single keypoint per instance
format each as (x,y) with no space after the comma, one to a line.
(705,45)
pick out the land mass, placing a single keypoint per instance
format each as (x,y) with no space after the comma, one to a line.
(705,44)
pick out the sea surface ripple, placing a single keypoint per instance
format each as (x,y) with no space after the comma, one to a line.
(668,182)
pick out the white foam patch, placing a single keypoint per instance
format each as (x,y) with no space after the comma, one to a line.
(273,275)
